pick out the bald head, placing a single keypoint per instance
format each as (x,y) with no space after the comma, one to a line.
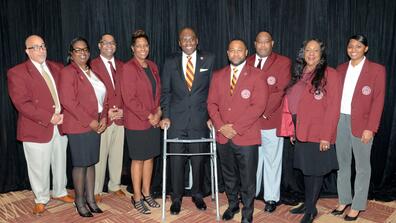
(33,39)
(36,49)
(263,44)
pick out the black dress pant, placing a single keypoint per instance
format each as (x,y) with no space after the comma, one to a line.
(239,165)
(177,164)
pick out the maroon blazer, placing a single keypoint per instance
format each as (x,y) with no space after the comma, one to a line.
(114,94)
(277,74)
(368,97)
(243,109)
(137,94)
(318,114)
(78,100)
(32,98)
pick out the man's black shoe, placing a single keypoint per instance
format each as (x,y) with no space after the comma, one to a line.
(175,208)
(300,209)
(199,203)
(229,213)
(246,220)
(270,206)
(308,218)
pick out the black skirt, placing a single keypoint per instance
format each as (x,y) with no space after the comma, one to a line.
(311,161)
(84,148)
(143,144)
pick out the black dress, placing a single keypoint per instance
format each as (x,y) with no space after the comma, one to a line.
(84,148)
(311,161)
(144,144)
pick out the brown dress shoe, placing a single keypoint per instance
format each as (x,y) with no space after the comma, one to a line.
(98,198)
(66,199)
(38,209)
(118,193)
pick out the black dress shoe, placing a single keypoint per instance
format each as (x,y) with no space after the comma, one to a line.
(246,220)
(289,201)
(175,208)
(308,218)
(270,206)
(94,208)
(199,203)
(349,218)
(299,209)
(339,212)
(229,213)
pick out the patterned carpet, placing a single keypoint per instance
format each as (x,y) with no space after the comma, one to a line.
(17,207)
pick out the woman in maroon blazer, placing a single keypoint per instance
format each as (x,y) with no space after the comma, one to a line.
(361,108)
(83,97)
(314,101)
(140,89)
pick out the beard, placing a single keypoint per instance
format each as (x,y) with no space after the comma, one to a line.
(238,63)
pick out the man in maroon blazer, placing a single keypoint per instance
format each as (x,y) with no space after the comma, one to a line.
(112,139)
(32,86)
(237,98)
(276,70)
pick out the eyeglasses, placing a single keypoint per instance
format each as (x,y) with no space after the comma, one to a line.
(80,51)
(37,47)
(105,43)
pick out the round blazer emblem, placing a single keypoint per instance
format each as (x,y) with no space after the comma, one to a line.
(271,80)
(245,94)
(366,90)
(318,95)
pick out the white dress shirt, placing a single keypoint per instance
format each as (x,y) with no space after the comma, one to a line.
(351,79)
(262,61)
(108,68)
(99,88)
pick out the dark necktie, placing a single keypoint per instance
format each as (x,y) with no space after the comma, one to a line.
(259,63)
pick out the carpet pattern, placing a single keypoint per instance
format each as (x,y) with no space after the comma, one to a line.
(17,207)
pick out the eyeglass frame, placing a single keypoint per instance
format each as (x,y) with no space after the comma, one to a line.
(37,47)
(79,50)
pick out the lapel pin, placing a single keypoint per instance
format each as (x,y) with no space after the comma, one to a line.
(201,58)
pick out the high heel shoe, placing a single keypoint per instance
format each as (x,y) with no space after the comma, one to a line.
(349,218)
(94,209)
(140,206)
(340,212)
(84,214)
(150,201)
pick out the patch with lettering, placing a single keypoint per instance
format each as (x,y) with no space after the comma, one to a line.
(271,80)
(366,90)
(245,94)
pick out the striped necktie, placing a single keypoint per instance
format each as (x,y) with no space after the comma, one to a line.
(233,80)
(51,88)
(189,73)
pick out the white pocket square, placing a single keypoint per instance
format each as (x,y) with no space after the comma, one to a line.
(202,70)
